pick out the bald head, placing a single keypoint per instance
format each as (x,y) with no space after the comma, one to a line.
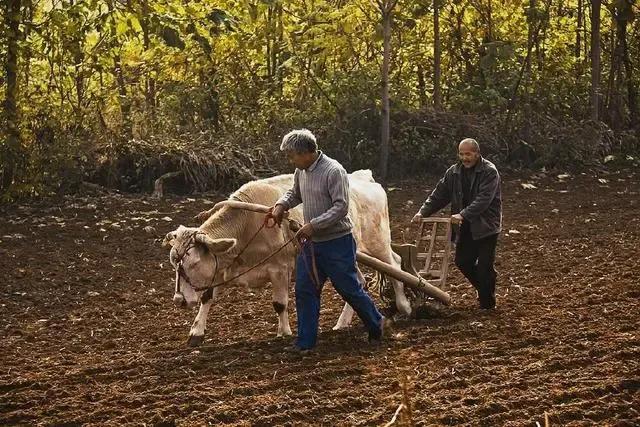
(469,152)
(470,143)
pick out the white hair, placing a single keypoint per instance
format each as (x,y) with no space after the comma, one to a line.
(300,141)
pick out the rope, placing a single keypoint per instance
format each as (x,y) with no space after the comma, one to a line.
(262,262)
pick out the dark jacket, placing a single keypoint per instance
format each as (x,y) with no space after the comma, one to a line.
(484,212)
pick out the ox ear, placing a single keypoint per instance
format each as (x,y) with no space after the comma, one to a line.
(170,239)
(216,246)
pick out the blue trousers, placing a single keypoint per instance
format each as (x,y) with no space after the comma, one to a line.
(335,259)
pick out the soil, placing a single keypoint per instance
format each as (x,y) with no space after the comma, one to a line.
(89,334)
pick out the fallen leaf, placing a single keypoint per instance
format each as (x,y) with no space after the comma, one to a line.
(528,186)
(14,236)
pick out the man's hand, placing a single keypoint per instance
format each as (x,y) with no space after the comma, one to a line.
(456,219)
(276,213)
(417,218)
(305,232)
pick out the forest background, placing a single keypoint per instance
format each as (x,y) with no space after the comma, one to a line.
(121,92)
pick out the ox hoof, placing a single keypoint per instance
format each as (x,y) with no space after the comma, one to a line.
(195,340)
(404,309)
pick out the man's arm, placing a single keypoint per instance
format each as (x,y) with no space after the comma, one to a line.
(486,192)
(338,183)
(291,198)
(439,198)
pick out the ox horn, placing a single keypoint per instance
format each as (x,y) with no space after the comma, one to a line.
(169,239)
(235,204)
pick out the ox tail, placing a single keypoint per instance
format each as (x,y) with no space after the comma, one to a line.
(363,175)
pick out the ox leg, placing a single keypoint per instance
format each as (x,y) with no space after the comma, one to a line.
(402,302)
(344,321)
(280,302)
(196,334)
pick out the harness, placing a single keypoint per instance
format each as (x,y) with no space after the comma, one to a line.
(300,244)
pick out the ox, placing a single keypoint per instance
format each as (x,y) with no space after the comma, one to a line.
(222,247)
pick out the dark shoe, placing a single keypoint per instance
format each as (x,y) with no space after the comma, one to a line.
(487,305)
(386,325)
(294,349)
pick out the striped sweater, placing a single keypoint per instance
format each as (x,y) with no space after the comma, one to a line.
(323,190)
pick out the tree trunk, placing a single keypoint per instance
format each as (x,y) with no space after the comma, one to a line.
(615,108)
(77,41)
(125,104)
(579,25)
(270,45)
(437,57)
(490,21)
(150,83)
(531,31)
(29,12)
(595,59)
(422,86)
(12,155)
(623,14)
(279,42)
(632,89)
(526,65)
(609,95)
(387,15)
(586,6)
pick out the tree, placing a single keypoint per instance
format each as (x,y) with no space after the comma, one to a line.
(12,158)
(595,59)
(437,57)
(622,71)
(386,8)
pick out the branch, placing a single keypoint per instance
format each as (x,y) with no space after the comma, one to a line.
(536,33)
(315,81)
(395,416)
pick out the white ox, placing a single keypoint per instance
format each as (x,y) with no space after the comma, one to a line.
(213,248)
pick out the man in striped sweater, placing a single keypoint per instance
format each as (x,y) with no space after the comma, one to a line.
(329,251)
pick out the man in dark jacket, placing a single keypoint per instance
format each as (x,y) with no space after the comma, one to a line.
(472,186)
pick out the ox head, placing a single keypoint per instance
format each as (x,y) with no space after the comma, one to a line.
(199,260)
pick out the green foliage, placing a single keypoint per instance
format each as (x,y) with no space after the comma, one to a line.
(100,72)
